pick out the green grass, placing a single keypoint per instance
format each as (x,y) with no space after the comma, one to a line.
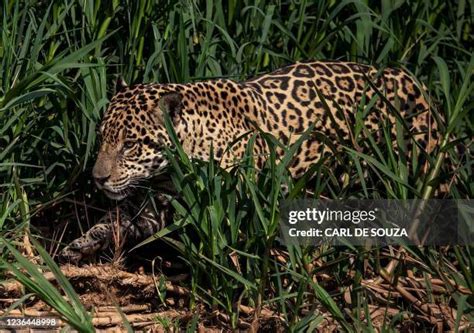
(58,66)
(31,276)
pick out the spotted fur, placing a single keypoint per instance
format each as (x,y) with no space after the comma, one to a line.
(285,103)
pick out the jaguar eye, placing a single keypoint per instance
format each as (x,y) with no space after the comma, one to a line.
(128,144)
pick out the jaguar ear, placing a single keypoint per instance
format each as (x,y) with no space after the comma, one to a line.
(170,103)
(120,84)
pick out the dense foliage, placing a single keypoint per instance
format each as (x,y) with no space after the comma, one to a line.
(59,61)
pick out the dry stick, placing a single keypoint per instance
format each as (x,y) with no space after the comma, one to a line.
(265,313)
(105,318)
(54,249)
(439,282)
(423,307)
(125,309)
(226,318)
(392,264)
(31,313)
(87,206)
(116,319)
(106,273)
(29,253)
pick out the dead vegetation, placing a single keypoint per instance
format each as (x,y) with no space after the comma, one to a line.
(112,294)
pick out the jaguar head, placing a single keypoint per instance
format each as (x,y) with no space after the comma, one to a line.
(133,139)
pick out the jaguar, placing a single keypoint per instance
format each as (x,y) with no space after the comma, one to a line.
(324,96)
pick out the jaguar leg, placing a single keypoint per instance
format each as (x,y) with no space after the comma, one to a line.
(97,238)
(124,227)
